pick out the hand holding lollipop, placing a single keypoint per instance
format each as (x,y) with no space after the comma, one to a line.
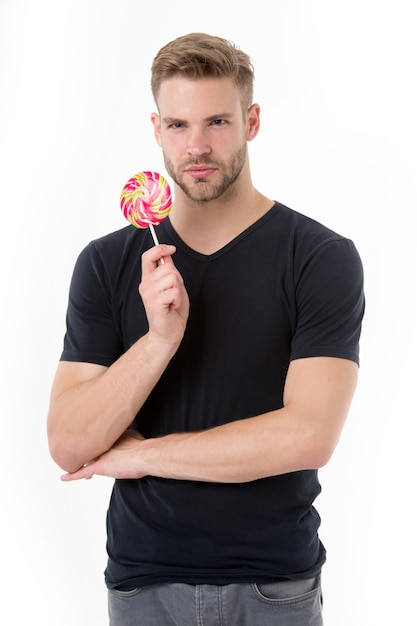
(146,201)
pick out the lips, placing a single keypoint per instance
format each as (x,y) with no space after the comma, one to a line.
(199,171)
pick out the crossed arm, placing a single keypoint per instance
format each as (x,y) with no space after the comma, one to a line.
(92,406)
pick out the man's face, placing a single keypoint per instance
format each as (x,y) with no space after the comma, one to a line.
(203,134)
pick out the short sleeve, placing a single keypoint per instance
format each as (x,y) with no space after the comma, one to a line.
(330,303)
(91,333)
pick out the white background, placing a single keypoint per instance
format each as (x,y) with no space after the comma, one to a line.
(336,82)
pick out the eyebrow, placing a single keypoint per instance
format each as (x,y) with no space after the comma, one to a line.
(210,118)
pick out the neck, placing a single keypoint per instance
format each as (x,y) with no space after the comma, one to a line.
(209,226)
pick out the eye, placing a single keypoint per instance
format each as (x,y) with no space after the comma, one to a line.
(176,125)
(218,122)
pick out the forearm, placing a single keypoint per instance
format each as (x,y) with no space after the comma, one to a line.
(302,435)
(241,451)
(86,419)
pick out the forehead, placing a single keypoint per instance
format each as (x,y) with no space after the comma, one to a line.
(202,97)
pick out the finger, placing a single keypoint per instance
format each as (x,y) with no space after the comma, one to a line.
(157,287)
(83,472)
(151,258)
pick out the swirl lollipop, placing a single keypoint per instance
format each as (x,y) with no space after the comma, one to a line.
(146,201)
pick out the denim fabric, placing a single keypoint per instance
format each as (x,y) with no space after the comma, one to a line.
(288,603)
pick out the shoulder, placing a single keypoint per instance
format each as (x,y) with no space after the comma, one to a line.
(110,251)
(101,264)
(304,227)
(112,242)
(309,238)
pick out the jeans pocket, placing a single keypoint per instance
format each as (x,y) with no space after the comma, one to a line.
(288,591)
(125,592)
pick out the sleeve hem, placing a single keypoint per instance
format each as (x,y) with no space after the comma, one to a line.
(88,357)
(341,353)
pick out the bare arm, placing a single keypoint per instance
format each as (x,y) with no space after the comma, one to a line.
(91,406)
(301,435)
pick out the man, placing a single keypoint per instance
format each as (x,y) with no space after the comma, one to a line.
(214,391)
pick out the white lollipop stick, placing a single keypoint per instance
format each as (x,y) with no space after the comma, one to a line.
(155,240)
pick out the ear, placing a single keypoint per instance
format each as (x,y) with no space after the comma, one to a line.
(253,121)
(156,121)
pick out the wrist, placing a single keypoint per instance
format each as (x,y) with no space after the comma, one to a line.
(156,344)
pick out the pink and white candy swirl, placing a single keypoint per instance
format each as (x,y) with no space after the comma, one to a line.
(146,199)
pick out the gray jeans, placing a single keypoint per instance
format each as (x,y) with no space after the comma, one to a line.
(288,603)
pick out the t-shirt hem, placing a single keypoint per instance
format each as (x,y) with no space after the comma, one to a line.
(204,579)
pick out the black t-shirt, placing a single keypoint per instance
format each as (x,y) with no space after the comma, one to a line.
(286,288)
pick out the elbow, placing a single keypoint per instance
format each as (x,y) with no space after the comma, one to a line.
(317,451)
(317,440)
(63,455)
(320,456)
(63,450)
(66,447)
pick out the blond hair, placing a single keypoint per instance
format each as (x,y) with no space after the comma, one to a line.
(199,55)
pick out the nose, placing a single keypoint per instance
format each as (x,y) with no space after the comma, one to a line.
(198,144)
